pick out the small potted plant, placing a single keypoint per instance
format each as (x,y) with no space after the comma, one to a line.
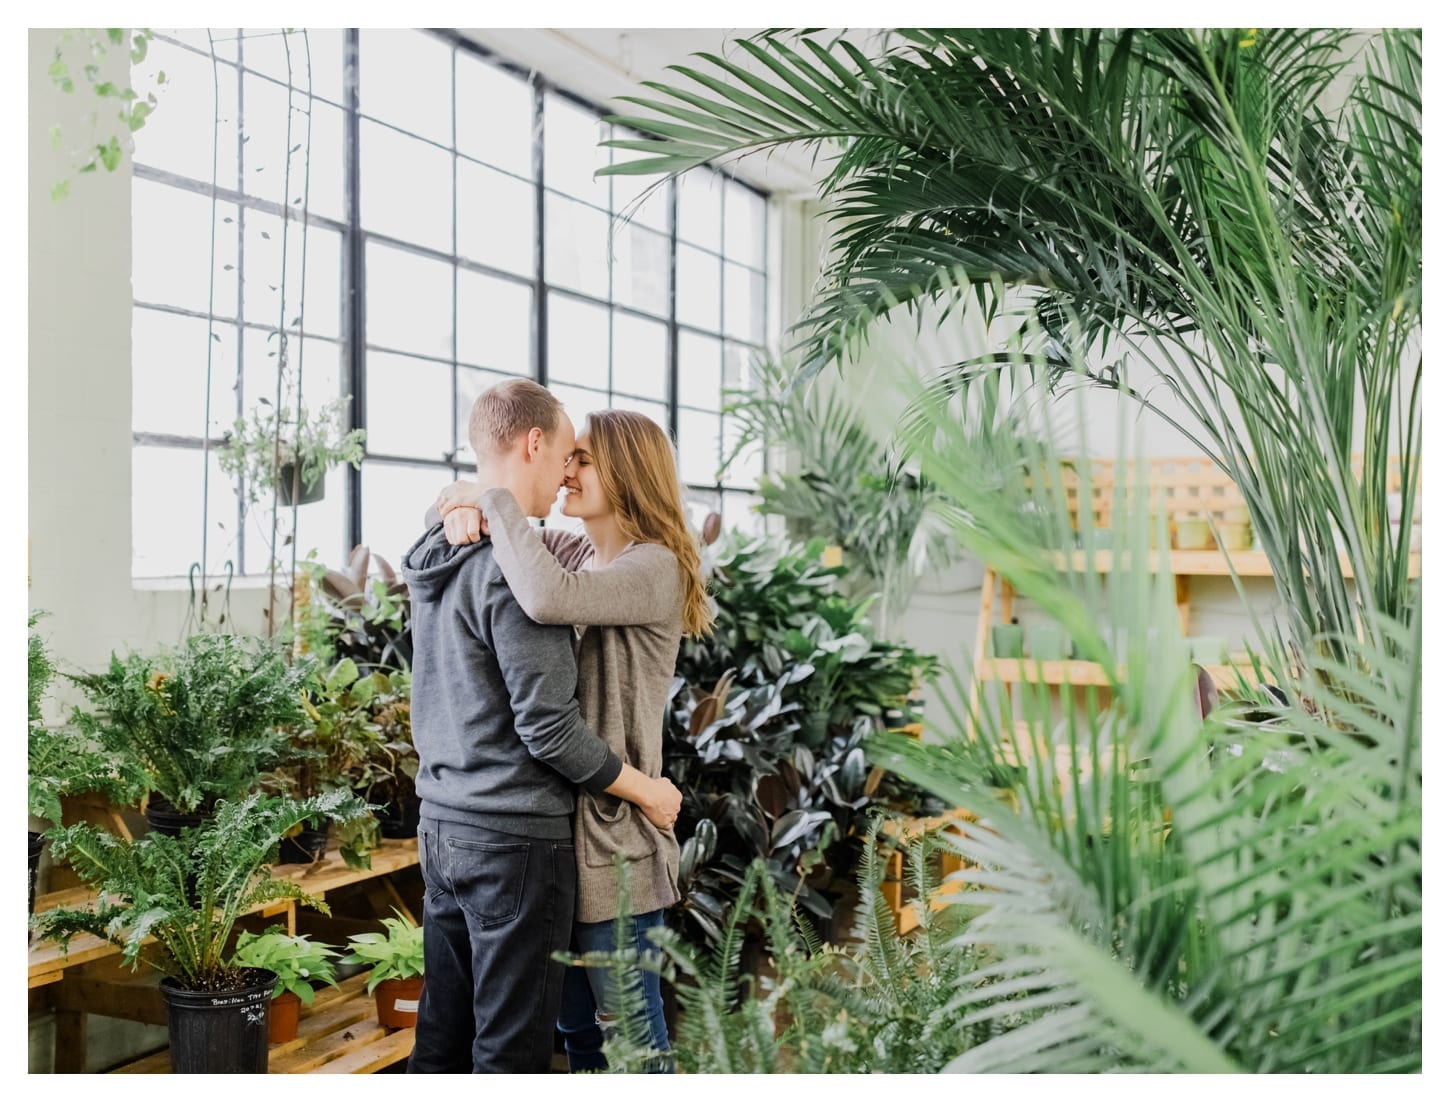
(200,723)
(299,962)
(396,958)
(290,449)
(217,1008)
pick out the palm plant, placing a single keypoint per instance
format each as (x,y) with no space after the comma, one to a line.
(1183,193)
(844,487)
(1168,892)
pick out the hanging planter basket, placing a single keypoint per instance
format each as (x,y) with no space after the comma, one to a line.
(306,494)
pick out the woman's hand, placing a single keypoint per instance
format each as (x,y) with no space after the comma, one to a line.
(661,805)
(464,524)
(458,495)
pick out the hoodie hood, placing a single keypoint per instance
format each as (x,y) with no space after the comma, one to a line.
(432,561)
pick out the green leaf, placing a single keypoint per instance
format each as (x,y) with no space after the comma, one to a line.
(110,154)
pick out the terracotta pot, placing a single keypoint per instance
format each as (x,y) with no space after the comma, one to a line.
(398,1002)
(283,1024)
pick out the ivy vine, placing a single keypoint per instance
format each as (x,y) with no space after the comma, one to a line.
(79,53)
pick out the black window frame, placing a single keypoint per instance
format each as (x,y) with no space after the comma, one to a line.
(353,277)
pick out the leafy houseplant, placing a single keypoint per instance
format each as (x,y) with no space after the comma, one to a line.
(879,1004)
(145,908)
(1210,199)
(298,963)
(356,737)
(290,449)
(396,959)
(359,627)
(767,727)
(200,723)
(61,763)
(844,486)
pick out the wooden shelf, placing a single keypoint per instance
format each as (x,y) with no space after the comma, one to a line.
(1211,563)
(48,962)
(339,1034)
(1026,671)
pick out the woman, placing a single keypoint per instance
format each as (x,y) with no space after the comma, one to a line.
(634,586)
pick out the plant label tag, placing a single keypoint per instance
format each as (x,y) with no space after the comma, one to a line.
(406,1006)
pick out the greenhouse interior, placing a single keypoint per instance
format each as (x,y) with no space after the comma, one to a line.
(948,506)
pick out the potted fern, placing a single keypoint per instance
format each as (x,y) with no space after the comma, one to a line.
(396,980)
(61,763)
(298,962)
(290,449)
(200,723)
(217,1007)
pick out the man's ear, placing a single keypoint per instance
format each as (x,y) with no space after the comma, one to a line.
(533,442)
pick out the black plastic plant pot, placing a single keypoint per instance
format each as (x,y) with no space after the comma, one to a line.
(37,843)
(220,1032)
(306,495)
(165,819)
(303,848)
(399,820)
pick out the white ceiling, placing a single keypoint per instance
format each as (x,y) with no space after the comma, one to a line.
(600,64)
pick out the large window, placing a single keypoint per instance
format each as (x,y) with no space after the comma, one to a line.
(455,236)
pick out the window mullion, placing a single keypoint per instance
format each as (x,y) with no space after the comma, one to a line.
(354,277)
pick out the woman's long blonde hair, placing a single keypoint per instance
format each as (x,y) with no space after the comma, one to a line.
(636,467)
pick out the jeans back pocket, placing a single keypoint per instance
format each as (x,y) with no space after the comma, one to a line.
(487,878)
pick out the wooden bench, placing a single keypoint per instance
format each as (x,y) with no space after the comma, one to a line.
(89,978)
(338,1035)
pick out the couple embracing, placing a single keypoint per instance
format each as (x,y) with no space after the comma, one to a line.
(541,750)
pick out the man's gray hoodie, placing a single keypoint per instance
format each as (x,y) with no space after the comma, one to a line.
(500,740)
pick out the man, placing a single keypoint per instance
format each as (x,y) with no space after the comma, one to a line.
(501,747)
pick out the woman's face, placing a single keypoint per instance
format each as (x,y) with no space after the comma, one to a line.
(583,495)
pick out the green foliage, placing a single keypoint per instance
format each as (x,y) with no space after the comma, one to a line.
(186,893)
(357,736)
(257,450)
(298,961)
(200,723)
(766,729)
(1170,893)
(844,486)
(396,954)
(62,763)
(882,1004)
(79,53)
(1192,194)
(348,614)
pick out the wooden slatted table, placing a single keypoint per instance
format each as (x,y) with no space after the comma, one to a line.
(78,982)
(338,1035)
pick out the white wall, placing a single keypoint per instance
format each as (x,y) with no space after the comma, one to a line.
(80,402)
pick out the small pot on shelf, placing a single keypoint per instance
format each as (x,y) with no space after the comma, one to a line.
(1193,534)
(398,1002)
(282,1026)
(306,847)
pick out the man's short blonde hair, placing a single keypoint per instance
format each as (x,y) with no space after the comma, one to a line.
(504,411)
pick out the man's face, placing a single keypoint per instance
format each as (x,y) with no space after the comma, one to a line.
(551,459)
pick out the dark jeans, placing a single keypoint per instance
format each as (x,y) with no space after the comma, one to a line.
(496,907)
(587,990)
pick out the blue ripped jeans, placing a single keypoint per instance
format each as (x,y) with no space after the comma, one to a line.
(587,990)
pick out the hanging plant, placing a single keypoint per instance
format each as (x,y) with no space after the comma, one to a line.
(291,449)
